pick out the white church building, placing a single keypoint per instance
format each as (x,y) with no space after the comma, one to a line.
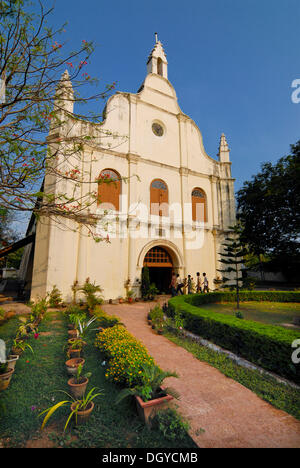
(169,206)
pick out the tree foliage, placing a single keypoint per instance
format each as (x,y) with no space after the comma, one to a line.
(269,209)
(41,78)
(232,257)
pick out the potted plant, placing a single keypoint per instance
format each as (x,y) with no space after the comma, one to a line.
(72,365)
(90,291)
(129,296)
(76,315)
(150,395)
(78,383)
(74,333)
(75,348)
(12,360)
(83,326)
(19,346)
(121,300)
(157,319)
(25,328)
(81,409)
(5,375)
(152,292)
(38,310)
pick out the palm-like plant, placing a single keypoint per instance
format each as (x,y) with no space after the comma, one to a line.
(21,345)
(84,326)
(152,380)
(90,291)
(81,405)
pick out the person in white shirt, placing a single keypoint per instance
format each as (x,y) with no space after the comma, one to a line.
(205,283)
(179,283)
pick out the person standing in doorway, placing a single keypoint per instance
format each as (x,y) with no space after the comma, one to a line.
(179,285)
(173,285)
(205,283)
(198,286)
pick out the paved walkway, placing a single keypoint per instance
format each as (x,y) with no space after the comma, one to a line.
(230,414)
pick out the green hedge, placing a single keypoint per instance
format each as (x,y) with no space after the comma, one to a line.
(259,296)
(268,346)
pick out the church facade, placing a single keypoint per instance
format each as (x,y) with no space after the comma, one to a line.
(169,206)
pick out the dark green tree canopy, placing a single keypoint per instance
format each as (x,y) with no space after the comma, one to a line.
(269,209)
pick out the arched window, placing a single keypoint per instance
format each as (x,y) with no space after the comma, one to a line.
(159,198)
(159,66)
(109,189)
(158,257)
(199,205)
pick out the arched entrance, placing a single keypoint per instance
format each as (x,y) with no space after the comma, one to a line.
(160,265)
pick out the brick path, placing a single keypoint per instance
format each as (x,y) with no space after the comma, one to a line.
(230,414)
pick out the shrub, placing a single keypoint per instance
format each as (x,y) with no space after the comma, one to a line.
(171,424)
(74,310)
(38,309)
(258,296)
(125,354)
(157,316)
(152,292)
(90,291)
(145,282)
(54,297)
(266,345)
(104,320)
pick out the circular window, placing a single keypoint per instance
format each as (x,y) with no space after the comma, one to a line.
(157,129)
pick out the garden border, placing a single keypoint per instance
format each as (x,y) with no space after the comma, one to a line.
(268,346)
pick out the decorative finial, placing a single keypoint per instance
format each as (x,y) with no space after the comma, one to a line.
(156,39)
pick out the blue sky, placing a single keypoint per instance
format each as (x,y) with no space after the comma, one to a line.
(231,62)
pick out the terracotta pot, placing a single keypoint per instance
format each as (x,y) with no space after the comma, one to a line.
(17,351)
(130,300)
(12,359)
(74,353)
(82,416)
(159,332)
(147,409)
(73,333)
(5,379)
(72,365)
(78,390)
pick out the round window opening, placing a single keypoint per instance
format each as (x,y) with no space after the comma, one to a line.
(157,129)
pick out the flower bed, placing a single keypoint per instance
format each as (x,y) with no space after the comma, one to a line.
(125,354)
(266,345)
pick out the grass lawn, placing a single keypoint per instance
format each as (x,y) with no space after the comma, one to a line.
(34,386)
(279,395)
(274,313)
